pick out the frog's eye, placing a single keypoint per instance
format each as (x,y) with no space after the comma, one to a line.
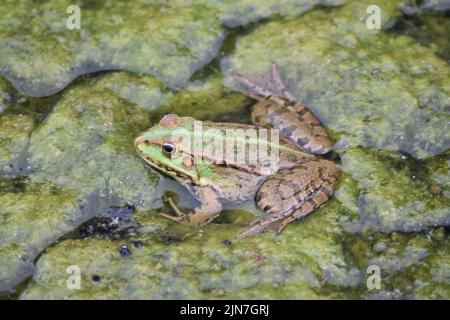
(168,120)
(169,149)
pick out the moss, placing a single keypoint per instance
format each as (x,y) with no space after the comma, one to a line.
(4,94)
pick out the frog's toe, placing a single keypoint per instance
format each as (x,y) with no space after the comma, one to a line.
(178,218)
(271,223)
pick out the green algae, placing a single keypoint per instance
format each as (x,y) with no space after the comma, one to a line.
(86,145)
(4,95)
(202,266)
(429,30)
(30,221)
(154,38)
(203,98)
(237,13)
(14,137)
(409,264)
(168,40)
(374,89)
(94,119)
(391,197)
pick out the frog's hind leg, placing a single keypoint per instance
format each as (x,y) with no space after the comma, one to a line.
(286,199)
(278,108)
(266,85)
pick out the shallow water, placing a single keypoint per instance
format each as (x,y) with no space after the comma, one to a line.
(73,192)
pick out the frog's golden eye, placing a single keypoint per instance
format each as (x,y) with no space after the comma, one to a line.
(169,149)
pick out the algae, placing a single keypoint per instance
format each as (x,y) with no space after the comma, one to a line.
(370,87)
(73,192)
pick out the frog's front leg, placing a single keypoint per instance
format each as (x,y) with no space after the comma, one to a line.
(209,209)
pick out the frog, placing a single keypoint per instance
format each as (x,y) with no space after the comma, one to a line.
(288,189)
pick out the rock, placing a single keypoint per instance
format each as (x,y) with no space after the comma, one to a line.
(435,5)
(30,221)
(15,130)
(200,266)
(5,97)
(370,87)
(238,13)
(167,41)
(84,150)
(412,267)
(390,197)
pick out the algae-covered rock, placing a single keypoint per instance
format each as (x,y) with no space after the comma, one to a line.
(40,55)
(237,13)
(15,130)
(4,95)
(205,264)
(86,145)
(204,98)
(429,30)
(374,88)
(32,217)
(391,196)
(435,5)
(410,265)
(438,269)
(84,150)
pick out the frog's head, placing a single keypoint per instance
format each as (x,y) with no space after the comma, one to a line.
(167,147)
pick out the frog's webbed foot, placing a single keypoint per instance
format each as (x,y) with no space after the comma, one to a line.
(267,84)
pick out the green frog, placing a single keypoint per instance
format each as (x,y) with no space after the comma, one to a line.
(288,182)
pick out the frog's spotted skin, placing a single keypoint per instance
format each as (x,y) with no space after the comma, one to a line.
(295,122)
(301,183)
